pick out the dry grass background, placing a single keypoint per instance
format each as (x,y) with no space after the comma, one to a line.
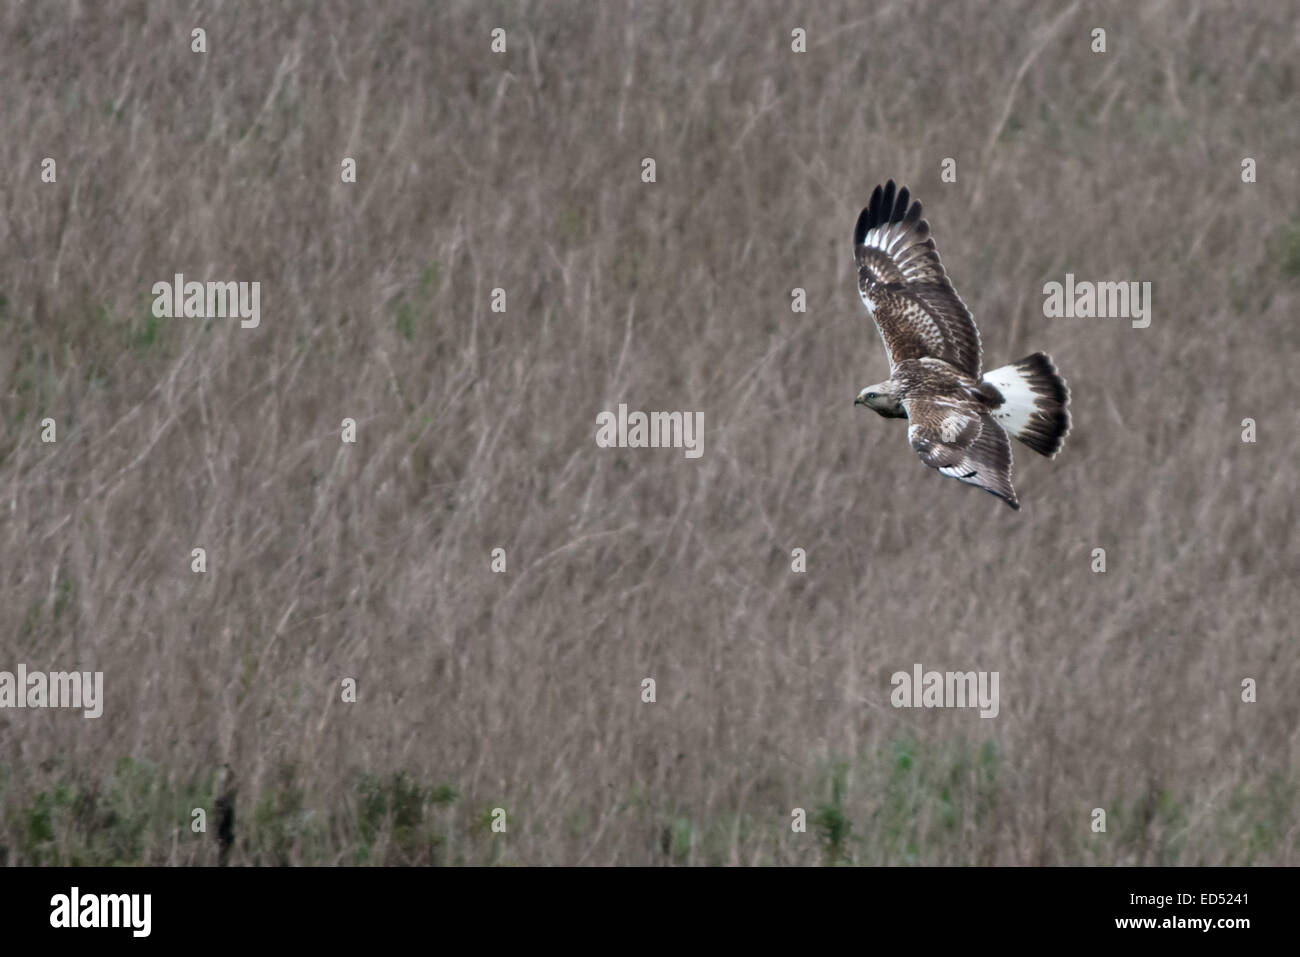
(476,430)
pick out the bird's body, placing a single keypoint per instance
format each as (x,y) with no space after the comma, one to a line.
(959,418)
(930,377)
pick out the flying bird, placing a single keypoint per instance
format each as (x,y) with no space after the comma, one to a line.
(958,419)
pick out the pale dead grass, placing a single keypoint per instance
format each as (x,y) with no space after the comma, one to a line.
(476,429)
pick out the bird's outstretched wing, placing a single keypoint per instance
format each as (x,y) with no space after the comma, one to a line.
(905,288)
(962,444)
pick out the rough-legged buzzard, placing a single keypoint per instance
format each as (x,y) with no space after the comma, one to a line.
(956,416)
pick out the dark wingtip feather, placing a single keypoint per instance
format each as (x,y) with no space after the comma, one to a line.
(1000,495)
(888,204)
(864,224)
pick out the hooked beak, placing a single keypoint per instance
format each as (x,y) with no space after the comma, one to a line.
(859,401)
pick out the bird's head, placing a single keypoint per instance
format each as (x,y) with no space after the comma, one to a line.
(883,398)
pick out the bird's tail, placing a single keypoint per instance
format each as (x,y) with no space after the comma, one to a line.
(1035,403)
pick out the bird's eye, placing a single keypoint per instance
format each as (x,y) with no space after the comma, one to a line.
(871,395)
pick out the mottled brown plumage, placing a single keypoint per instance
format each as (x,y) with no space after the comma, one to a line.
(906,289)
(957,415)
